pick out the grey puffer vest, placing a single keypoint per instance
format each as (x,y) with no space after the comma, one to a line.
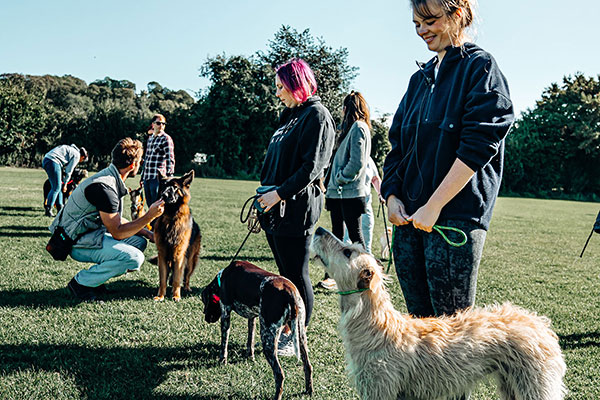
(80,217)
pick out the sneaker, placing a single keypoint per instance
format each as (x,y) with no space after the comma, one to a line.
(153,260)
(328,284)
(48,212)
(285,346)
(84,293)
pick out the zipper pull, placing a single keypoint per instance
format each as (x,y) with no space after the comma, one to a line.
(432,86)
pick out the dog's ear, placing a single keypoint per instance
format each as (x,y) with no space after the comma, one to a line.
(187,178)
(364,278)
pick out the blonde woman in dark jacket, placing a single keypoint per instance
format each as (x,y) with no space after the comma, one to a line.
(445,166)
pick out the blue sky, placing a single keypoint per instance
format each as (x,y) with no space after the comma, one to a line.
(536,42)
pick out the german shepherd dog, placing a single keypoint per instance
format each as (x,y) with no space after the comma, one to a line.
(137,202)
(137,205)
(177,236)
(76,178)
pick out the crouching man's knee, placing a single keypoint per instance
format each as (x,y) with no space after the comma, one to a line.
(132,260)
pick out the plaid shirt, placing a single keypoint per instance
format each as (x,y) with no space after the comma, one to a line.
(160,156)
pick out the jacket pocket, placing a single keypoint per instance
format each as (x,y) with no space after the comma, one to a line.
(450,126)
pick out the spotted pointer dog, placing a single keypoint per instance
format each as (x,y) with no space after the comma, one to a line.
(253,292)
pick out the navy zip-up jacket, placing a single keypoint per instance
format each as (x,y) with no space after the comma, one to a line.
(465,112)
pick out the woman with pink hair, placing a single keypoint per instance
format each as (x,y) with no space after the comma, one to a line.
(298,153)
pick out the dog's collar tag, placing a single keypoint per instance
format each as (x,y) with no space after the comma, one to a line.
(219,277)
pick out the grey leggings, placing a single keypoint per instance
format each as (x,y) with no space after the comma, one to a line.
(437,278)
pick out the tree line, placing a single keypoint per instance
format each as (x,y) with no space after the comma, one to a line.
(551,151)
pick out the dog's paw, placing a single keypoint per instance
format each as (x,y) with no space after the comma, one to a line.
(177,299)
(159,298)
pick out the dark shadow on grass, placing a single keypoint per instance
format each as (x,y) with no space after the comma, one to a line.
(21,211)
(62,298)
(579,340)
(24,231)
(115,372)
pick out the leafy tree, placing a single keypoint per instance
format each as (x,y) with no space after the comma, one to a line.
(380,144)
(553,149)
(332,72)
(26,120)
(237,116)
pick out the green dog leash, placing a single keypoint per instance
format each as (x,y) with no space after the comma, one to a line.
(439,229)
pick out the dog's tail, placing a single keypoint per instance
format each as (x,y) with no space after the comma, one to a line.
(297,315)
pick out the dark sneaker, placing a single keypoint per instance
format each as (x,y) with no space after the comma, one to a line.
(101,290)
(84,293)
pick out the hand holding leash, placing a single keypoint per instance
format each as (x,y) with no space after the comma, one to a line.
(269,199)
(396,213)
(424,218)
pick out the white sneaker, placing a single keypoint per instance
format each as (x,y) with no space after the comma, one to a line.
(328,284)
(285,347)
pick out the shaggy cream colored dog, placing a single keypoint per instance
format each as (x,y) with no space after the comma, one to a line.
(394,356)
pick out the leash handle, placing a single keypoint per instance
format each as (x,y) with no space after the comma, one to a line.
(440,228)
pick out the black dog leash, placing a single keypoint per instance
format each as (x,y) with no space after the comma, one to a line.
(387,238)
(251,228)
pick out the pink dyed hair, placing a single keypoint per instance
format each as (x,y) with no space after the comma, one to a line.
(297,77)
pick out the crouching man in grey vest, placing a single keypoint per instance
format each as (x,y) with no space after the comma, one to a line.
(93,218)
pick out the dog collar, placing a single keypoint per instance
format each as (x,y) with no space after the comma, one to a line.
(352,291)
(219,277)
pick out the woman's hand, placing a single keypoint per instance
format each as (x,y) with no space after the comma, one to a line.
(425,217)
(269,199)
(396,213)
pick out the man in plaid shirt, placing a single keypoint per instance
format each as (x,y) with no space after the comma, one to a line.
(159,157)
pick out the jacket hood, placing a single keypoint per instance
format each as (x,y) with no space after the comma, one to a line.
(453,54)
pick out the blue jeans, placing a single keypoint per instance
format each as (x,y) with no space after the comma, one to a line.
(54,172)
(114,258)
(151,191)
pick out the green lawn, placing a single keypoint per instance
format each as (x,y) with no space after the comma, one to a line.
(130,347)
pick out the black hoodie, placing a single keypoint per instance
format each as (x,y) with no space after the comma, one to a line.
(297,155)
(465,112)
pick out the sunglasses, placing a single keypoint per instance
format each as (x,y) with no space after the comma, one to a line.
(160,123)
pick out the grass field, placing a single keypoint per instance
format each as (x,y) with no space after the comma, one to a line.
(129,347)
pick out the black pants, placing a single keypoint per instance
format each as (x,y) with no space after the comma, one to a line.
(348,212)
(291,255)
